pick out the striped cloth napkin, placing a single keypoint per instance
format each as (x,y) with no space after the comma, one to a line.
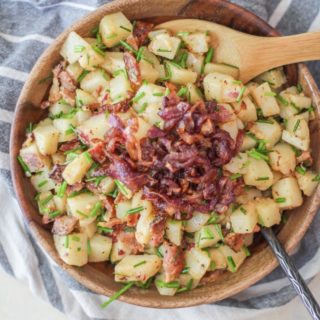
(26,29)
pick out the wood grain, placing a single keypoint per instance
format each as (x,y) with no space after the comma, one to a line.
(98,278)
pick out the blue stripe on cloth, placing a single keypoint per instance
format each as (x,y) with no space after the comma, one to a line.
(9,93)
(47,276)
(5,136)
(4,262)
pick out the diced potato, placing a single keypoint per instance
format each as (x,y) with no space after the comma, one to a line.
(113,62)
(258,174)
(34,159)
(221,87)
(218,260)
(300,101)
(163,290)
(197,220)
(186,280)
(82,116)
(153,33)
(265,100)
(233,259)
(137,267)
(80,206)
(75,48)
(248,143)
(84,98)
(122,209)
(119,251)
(100,248)
(197,42)
(306,182)
(268,212)
(119,88)
(245,110)
(295,141)
(148,72)
(65,127)
(270,132)
(244,218)
(74,70)
(275,77)
(59,107)
(198,262)
(106,185)
(231,127)
(77,168)
(148,94)
(143,128)
(95,81)
(72,248)
(46,203)
(287,194)
(237,164)
(249,194)
(299,128)
(221,68)
(88,228)
(195,62)
(58,158)
(180,75)
(42,182)
(114,27)
(282,158)
(194,94)
(174,231)
(46,137)
(94,128)
(164,45)
(60,203)
(208,236)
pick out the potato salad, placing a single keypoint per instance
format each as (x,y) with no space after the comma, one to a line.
(156,158)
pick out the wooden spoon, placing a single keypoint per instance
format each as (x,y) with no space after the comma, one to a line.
(251,54)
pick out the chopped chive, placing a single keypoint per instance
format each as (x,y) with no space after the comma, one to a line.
(243,210)
(235,176)
(122,188)
(96,210)
(138,97)
(42,183)
(159,254)
(212,265)
(124,28)
(158,124)
(301,169)
(45,79)
(185,270)
(258,155)
(167,92)
(163,50)
(139,54)
(172,284)
(270,94)
(127,46)
(62,189)
(182,92)
(66,241)
(24,166)
(129,229)
(87,156)
(98,50)
(296,125)
(139,263)
(262,178)
(231,264)
(54,214)
(158,94)
(213,219)
(135,210)
(119,71)
(112,36)
(237,82)
(105,229)
(209,56)
(71,130)
(89,247)
(280,200)
(82,214)
(94,31)
(82,75)
(218,228)
(79,48)
(246,251)
(265,121)
(114,193)
(282,100)
(45,201)
(187,287)
(207,234)
(183,60)
(76,193)
(144,285)
(96,180)
(294,106)
(117,294)
(310,109)
(243,89)
(75,238)
(29,128)
(183,33)
(316,178)
(299,88)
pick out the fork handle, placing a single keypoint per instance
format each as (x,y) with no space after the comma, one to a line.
(292,273)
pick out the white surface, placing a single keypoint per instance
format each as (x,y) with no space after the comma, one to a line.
(17,302)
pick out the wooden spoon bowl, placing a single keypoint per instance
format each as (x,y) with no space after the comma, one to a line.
(98,278)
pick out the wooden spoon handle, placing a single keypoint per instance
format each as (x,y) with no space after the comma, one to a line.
(272,52)
(292,273)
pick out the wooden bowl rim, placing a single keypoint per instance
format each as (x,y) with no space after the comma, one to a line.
(76,273)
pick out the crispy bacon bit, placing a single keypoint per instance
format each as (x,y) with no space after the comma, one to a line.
(111,223)
(133,42)
(234,240)
(66,81)
(132,68)
(67,146)
(305,156)
(78,186)
(141,30)
(46,219)
(97,152)
(56,173)
(173,261)
(129,239)
(64,225)
(157,230)
(132,219)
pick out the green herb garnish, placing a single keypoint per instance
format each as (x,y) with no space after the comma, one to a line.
(138,97)
(280,200)
(62,189)
(124,28)
(231,264)
(122,188)
(79,48)
(258,155)
(243,89)
(135,210)
(24,166)
(296,125)
(262,178)
(82,75)
(172,284)
(209,56)
(235,176)
(139,263)
(104,229)
(270,94)
(301,169)
(42,183)
(117,294)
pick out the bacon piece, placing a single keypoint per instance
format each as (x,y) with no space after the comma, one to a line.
(66,81)
(133,42)
(234,240)
(70,145)
(111,223)
(78,186)
(64,225)
(132,68)
(141,30)
(56,173)
(157,230)
(97,152)
(173,261)
(129,239)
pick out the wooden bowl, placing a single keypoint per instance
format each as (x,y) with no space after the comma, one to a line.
(96,277)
